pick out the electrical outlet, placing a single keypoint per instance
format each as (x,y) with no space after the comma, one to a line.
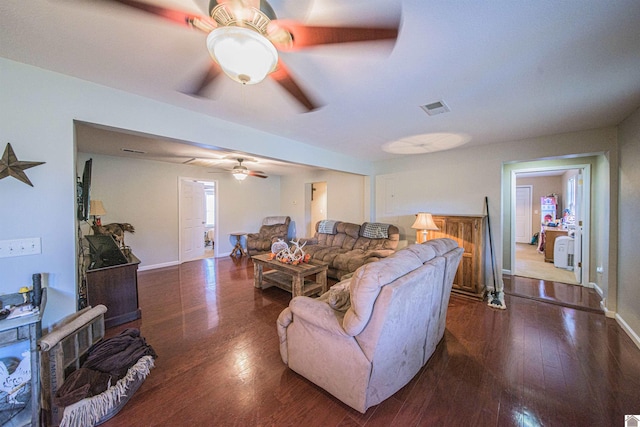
(20,247)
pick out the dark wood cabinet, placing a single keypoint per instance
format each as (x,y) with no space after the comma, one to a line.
(117,288)
(469,232)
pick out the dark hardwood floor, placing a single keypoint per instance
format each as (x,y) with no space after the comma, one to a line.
(533,364)
(567,295)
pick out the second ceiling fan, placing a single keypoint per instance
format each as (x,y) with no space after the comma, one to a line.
(240,172)
(244,37)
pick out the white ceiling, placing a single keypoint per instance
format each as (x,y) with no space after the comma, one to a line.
(508,70)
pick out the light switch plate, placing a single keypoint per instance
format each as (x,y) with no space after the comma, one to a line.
(20,247)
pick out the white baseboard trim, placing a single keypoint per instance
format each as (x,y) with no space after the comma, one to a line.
(508,272)
(608,313)
(625,327)
(597,289)
(155,266)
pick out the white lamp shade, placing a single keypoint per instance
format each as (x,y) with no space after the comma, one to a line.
(96,208)
(424,221)
(243,54)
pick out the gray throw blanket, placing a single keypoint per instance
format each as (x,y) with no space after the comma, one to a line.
(327,226)
(107,361)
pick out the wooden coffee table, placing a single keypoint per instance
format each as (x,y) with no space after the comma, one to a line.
(289,277)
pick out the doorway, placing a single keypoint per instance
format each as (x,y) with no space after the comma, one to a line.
(315,205)
(528,258)
(197,209)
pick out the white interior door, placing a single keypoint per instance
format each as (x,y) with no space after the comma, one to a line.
(577,243)
(192,220)
(523,214)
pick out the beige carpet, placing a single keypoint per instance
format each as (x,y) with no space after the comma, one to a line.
(530,263)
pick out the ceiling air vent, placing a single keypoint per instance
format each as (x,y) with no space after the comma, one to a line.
(434,108)
(134,151)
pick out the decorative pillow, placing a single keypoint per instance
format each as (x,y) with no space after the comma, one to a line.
(375,230)
(327,226)
(338,296)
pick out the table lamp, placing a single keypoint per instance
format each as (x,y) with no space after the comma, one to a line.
(424,223)
(96,209)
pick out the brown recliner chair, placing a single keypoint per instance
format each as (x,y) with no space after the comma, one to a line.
(272,229)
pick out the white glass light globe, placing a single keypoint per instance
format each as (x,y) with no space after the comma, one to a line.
(243,54)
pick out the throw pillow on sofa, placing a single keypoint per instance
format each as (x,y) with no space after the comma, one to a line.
(338,296)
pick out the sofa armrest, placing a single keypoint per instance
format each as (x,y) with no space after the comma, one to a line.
(318,313)
(379,253)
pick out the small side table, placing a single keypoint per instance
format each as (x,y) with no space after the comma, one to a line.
(238,250)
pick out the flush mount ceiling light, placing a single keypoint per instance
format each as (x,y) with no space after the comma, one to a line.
(243,54)
(240,45)
(426,143)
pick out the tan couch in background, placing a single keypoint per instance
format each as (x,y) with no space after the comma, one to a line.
(346,246)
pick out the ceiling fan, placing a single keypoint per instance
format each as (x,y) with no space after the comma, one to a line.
(244,37)
(240,172)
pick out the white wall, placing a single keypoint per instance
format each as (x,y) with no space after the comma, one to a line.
(629,249)
(542,186)
(345,196)
(456,182)
(144,193)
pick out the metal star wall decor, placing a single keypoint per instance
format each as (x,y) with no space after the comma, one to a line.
(11,166)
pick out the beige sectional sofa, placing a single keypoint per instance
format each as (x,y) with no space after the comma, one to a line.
(369,335)
(346,246)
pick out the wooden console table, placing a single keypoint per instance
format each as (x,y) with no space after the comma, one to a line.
(116,288)
(289,277)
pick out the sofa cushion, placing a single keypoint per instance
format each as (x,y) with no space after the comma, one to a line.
(345,237)
(366,284)
(324,253)
(373,244)
(272,231)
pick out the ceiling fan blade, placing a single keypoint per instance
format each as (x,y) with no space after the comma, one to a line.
(284,79)
(207,78)
(306,36)
(257,174)
(188,19)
